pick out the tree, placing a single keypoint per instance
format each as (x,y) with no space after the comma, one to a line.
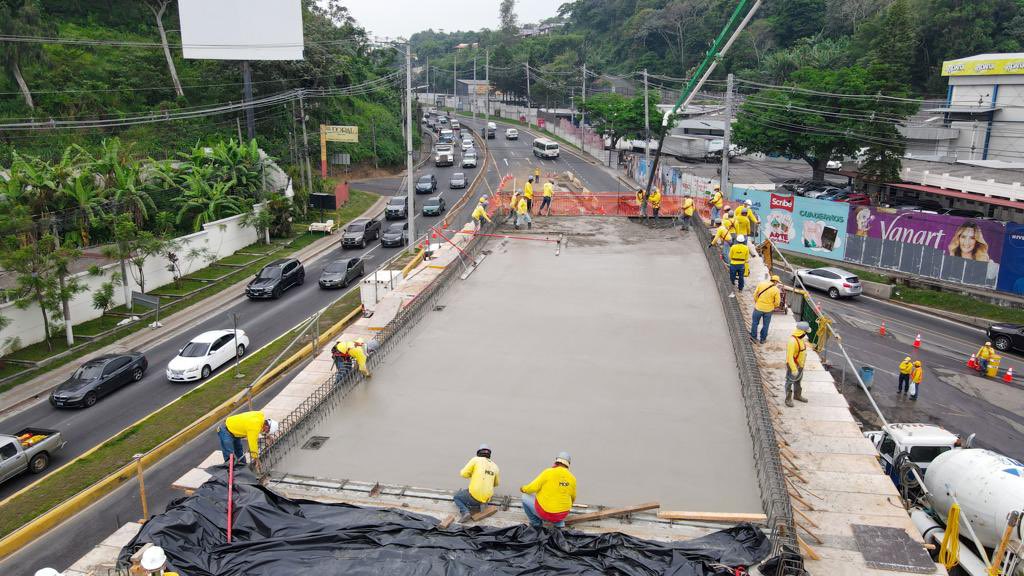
(795,19)
(507,17)
(179,267)
(67,285)
(615,116)
(36,277)
(203,202)
(158,7)
(814,121)
(20,18)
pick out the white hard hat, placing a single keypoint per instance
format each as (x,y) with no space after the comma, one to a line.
(272,426)
(749,202)
(153,558)
(563,458)
(47,572)
(741,238)
(484,447)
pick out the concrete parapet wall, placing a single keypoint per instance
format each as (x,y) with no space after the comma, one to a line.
(876,289)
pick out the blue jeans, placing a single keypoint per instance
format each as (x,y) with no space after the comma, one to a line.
(465,502)
(765,318)
(684,221)
(714,214)
(529,501)
(983,363)
(230,444)
(736,275)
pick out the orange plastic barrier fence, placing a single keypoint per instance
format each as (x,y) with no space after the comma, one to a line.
(599,204)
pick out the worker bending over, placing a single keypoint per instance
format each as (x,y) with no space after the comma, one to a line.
(655,201)
(347,353)
(739,253)
(549,191)
(248,425)
(985,354)
(551,494)
(686,215)
(767,298)
(641,206)
(523,213)
(513,205)
(906,367)
(480,214)
(796,353)
(483,477)
(915,380)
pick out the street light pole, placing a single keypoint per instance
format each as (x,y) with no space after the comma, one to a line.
(410,193)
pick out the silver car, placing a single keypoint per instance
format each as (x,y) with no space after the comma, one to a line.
(837,282)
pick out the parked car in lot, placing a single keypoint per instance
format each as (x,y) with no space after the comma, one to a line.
(1005,336)
(457,180)
(360,232)
(29,449)
(511,134)
(963,213)
(434,206)
(426,184)
(396,235)
(275,278)
(857,199)
(824,193)
(469,159)
(205,353)
(397,208)
(339,273)
(97,378)
(838,283)
(920,204)
(834,165)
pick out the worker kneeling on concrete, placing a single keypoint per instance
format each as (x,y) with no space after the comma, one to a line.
(796,352)
(985,354)
(739,253)
(551,494)
(248,425)
(483,477)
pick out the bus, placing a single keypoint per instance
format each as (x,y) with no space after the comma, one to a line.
(544,148)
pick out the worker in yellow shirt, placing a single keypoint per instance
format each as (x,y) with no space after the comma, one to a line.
(247,425)
(723,237)
(154,562)
(641,205)
(655,201)
(796,353)
(906,367)
(984,355)
(741,221)
(717,202)
(549,497)
(767,298)
(513,205)
(483,476)
(738,256)
(523,214)
(536,174)
(916,375)
(686,215)
(479,214)
(528,194)
(545,202)
(752,220)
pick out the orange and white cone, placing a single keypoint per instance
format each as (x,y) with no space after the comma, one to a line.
(881,329)
(972,363)
(917,341)
(1008,377)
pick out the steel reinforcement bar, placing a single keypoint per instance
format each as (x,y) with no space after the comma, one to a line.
(767,461)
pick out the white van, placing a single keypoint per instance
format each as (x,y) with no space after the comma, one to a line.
(544,148)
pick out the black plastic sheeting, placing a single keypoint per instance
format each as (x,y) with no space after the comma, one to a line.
(274,535)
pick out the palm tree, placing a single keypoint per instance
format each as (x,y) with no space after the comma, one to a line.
(20,18)
(204,202)
(81,193)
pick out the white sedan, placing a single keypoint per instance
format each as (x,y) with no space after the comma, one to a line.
(205,353)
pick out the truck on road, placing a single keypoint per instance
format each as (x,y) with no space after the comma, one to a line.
(30,449)
(444,155)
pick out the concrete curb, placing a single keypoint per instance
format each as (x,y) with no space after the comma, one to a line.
(982,323)
(53,517)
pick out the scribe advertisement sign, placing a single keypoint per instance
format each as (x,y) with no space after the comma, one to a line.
(815,227)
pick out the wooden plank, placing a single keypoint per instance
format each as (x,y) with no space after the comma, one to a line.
(808,551)
(487,512)
(726,517)
(446,522)
(611,513)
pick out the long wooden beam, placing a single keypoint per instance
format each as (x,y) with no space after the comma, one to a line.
(729,517)
(611,513)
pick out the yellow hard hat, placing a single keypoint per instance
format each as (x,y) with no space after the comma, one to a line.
(907,359)
(775,278)
(917,363)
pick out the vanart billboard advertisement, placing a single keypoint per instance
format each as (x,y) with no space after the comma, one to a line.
(815,227)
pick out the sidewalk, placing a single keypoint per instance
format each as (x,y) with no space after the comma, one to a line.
(25,394)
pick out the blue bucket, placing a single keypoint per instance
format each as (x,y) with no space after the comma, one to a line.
(867,374)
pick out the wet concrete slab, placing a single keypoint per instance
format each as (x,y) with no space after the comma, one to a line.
(616,351)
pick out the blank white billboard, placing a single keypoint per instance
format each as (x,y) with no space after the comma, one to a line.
(241,29)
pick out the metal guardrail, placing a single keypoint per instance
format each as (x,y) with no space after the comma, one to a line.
(767,461)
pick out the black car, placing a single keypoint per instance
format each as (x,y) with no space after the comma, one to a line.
(339,273)
(99,377)
(917,204)
(458,180)
(434,206)
(397,208)
(396,235)
(426,184)
(275,278)
(1006,336)
(359,232)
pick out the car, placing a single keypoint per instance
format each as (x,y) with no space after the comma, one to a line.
(467,144)
(396,235)
(205,353)
(359,232)
(456,125)
(836,282)
(491,128)
(339,273)
(511,134)
(426,184)
(1005,336)
(469,159)
(857,199)
(446,136)
(825,193)
(834,165)
(963,213)
(397,208)
(275,278)
(97,378)
(28,450)
(925,204)
(458,180)
(434,206)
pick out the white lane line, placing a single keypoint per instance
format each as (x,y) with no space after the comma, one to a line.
(506,161)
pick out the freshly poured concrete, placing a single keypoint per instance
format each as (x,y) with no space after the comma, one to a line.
(615,351)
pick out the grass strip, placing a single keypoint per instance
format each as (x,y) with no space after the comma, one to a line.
(157,427)
(805,262)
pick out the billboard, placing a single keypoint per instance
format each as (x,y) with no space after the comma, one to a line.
(1011,267)
(339,133)
(814,227)
(983,66)
(241,29)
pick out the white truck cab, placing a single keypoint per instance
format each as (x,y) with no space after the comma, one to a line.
(922,443)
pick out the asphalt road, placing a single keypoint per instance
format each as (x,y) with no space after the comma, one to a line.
(951,395)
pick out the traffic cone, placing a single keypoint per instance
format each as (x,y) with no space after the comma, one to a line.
(972,363)
(1008,377)
(881,329)
(917,341)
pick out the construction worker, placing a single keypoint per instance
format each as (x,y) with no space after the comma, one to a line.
(48,572)
(248,425)
(523,213)
(536,174)
(741,219)
(640,203)
(796,353)
(483,201)
(655,201)
(480,213)
(984,355)
(550,495)
(549,192)
(686,216)
(483,477)
(344,355)
(717,202)
(154,562)
(528,194)
(915,380)
(752,219)
(767,298)
(739,253)
(723,237)
(906,367)
(512,205)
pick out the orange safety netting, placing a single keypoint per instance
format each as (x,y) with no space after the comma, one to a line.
(599,204)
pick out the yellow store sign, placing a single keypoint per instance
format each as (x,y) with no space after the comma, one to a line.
(983,67)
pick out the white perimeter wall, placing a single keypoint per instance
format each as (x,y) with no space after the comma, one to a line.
(222,238)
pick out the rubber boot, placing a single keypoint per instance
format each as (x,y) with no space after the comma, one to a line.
(789,399)
(799,395)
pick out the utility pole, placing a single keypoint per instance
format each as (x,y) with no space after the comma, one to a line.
(428,76)
(250,119)
(647,123)
(583,112)
(527,65)
(305,144)
(455,73)
(373,131)
(726,186)
(410,194)
(487,97)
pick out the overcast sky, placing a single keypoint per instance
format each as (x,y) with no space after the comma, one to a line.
(392,18)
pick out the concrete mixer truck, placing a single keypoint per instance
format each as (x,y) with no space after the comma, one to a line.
(988,487)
